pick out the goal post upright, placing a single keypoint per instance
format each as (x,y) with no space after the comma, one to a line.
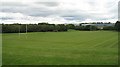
(19,30)
(26,30)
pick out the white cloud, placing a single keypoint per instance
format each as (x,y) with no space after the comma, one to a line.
(20,18)
(58,11)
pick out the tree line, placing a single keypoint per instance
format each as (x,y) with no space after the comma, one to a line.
(45,27)
(41,27)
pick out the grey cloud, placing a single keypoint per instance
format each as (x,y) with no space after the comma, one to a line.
(49,4)
(27,10)
(92,3)
(13,10)
(13,7)
(6,18)
(12,4)
(41,11)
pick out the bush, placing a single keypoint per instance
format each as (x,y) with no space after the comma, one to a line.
(108,28)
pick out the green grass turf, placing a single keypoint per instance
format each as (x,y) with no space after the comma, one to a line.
(56,48)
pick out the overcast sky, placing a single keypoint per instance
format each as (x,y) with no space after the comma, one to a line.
(58,11)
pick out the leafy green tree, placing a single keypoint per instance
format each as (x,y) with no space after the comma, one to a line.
(108,28)
(70,26)
(10,28)
(61,27)
(43,23)
(23,28)
(92,28)
(87,27)
(117,25)
(79,27)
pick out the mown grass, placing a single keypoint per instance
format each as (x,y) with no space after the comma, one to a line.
(61,48)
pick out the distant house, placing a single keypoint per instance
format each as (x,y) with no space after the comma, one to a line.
(100,26)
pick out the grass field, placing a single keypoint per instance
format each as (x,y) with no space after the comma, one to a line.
(56,48)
